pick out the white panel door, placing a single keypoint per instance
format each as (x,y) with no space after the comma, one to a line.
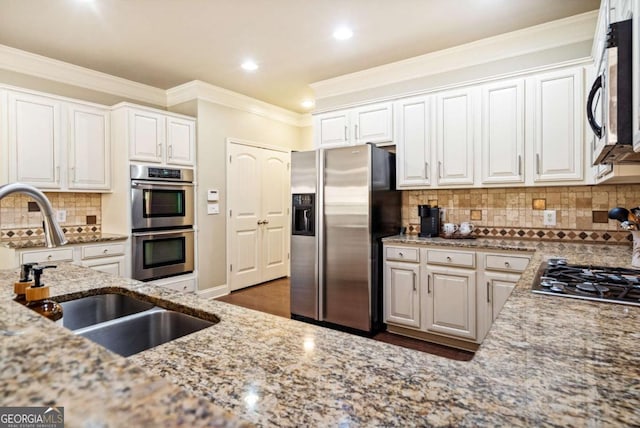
(455,137)
(275,214)
(558,125)
(503,132)
(35,135)
(373,123)
(147,136)
(180,141)
(332,129)
(451,302)
(401,293)
(245,200)
(413,141)
(89,148)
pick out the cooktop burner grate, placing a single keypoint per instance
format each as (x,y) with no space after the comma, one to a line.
(599,283)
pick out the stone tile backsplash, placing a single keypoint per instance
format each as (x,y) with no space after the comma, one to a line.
(518,212)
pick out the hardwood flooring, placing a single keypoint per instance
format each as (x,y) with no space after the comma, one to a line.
(273,297)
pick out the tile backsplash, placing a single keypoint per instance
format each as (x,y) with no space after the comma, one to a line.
(81,208)
(581,211)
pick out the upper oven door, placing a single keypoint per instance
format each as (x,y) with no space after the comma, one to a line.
(161,204)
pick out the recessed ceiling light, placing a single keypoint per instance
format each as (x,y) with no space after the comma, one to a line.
(249,65)
(308,103)
(343,33)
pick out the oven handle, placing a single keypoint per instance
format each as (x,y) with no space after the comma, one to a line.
(164,232)
(158,184)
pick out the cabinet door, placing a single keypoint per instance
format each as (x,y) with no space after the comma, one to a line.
(503,132)
(180,141)
(89,148)
(636,75)
(332,129)
(558,131)
(34,131)
(401,294)
(373,123)
(451,302)
(110,265)
(413,141)
(147,135)
(455,137)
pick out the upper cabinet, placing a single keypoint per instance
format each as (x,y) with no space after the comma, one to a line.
(413,137)
(368,124)
(636,75)
(455,135)
(158,137)
(57,145)
(555,125)
(502,146)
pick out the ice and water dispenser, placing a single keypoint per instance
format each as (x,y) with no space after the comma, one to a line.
(303,214)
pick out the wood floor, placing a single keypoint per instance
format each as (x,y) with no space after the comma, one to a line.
(273,297)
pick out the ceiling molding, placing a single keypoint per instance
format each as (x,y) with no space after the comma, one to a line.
(541,37)
(59,71)
(200,90)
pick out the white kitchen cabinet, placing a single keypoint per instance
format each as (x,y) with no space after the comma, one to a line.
(555,125)
(112,265)
(34,139)
(451,302)
(89,161)
(57,144)
(502,145)
(183,283)
(413,137)
(455,136)
(157,137)
(636,74)
(401,293)
(372,123)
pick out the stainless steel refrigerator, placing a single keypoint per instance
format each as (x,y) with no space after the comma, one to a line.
(343,202)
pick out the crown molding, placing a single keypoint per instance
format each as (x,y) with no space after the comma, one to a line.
(541,37)
(59,71)
(197,89)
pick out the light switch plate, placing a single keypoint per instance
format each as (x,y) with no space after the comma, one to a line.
(213,209)
(61,216)
(213,195)
(549,217)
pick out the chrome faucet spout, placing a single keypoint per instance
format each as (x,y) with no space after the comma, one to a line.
(53,234)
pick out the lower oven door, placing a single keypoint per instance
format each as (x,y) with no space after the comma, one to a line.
(161,254)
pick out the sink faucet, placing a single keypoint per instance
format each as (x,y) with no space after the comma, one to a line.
(53,235)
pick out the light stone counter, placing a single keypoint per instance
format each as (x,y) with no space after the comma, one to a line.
(546,361)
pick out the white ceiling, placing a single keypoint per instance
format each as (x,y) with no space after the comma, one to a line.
(165,43)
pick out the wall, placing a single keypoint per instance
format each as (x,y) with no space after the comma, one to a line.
(581,211)
(216,123)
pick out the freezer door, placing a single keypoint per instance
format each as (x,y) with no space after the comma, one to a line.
(346,246)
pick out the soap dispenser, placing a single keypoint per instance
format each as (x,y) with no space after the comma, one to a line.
(38,298)
(25,281)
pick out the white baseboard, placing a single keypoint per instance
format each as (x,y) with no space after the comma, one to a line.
(213,292)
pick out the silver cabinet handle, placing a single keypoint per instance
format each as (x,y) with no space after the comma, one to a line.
(170,151)
(439,169)
(426,170)
(488,287)
(357,133)
(345,133)
(519,165)
(159,149)
(538,163)
(73,174)
(56,174)
(428,284)
(415,288)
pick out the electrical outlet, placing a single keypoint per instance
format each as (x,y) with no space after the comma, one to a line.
(549,217)
(61,216)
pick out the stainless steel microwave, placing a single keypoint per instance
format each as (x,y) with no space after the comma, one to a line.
(609,104)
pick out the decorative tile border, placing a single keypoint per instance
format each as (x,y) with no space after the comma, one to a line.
(18,234)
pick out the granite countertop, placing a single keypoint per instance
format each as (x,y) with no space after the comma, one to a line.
(84,238)
(545,361)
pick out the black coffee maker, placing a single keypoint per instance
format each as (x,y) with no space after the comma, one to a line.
(429,221)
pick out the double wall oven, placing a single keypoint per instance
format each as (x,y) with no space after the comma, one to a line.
(162,217)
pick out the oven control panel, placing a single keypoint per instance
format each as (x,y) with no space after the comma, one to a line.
(164,173)
(144,172)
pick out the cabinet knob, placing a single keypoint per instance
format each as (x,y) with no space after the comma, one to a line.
(506,264)
(400,254)
(448,258)
(105,251)
(49,257)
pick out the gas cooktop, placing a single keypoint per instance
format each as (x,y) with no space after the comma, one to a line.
(604,284)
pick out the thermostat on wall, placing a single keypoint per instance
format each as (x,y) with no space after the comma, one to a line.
(212,195)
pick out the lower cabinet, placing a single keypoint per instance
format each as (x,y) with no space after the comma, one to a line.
(112,265)
(401,293)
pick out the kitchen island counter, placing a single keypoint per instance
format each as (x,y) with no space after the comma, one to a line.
(545,361)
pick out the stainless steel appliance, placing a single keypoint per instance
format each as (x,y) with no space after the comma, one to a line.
(605,284)
(609,105)
(162,253)
(429,220)
(336,269)
(161,197)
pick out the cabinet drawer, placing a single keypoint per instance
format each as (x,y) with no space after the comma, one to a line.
(94,251)
(403,254)
(506,263)
(61,255)
(451,258)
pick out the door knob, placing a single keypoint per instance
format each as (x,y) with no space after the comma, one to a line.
(260,222)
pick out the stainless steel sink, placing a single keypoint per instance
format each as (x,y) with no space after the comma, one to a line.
(93,310)
(136,333)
